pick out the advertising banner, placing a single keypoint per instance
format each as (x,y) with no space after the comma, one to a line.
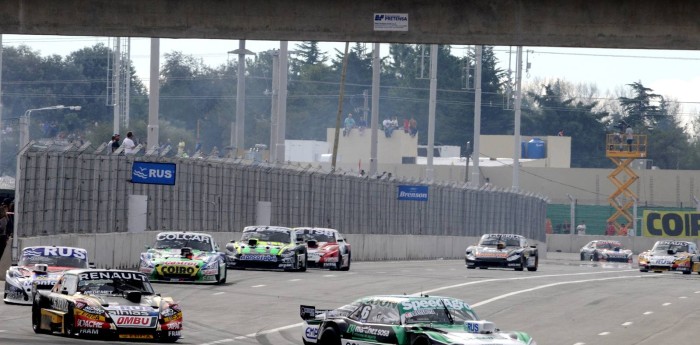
(678,224)
(153,173)
(413,193)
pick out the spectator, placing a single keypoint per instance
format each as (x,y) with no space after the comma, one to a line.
(129,144)
(361,125)
(115,142)
(561,133)
(406,126)
(623,230)
(348,125)
(413,127)
(388,127)
(581,228)
(610,229)
(629,135)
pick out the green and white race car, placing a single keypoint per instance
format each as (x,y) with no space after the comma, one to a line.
(268,247)
(404,320)
(184,257)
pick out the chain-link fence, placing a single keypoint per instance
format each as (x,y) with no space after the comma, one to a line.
(75,191)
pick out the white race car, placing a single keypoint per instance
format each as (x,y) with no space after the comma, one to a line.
(41,266)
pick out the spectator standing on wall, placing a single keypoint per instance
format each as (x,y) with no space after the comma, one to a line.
(115,142)
(348,125)
(388,127)
(561,133)
(129,144)
(581,228)
(406,125)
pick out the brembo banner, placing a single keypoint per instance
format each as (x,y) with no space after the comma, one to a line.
(678,224)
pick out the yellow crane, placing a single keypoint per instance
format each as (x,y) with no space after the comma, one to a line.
(623,154)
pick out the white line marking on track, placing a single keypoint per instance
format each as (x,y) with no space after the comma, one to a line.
(627,323)
(273,330)
(697,291)
(218,293)
(580,344)
(648,312)
(329,275)
(257,286)
(603,333)
(666,304)
(2,331)
(219,342)
(682,297)
(294,280)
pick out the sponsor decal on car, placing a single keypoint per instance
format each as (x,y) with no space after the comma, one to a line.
(178,270)
(311,332)
(175,317)
(113,275)
(368,330)
(210,272)
(180,263)
(93,331)
(88,315)
(135,321)
(183,236)
(136,336)
(174,333)
(55,251)
(258,257)
(89,323)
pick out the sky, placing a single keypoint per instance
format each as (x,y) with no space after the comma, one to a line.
(673,74)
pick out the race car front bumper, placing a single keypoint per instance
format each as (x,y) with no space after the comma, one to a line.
(492,262)
(16,294)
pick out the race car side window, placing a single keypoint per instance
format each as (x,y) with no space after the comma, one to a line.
(70,284)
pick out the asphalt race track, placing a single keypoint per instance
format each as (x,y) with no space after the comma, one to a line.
(566,302)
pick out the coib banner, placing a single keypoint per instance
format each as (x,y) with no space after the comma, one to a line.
(678,224)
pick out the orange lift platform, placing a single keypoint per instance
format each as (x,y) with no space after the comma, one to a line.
(623,154)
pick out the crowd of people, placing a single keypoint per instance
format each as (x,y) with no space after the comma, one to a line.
(388,126)
(129,143)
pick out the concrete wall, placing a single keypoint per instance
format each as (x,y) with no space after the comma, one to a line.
(573,243)
(655,24)
(558,149)
(356,146)
(122,250)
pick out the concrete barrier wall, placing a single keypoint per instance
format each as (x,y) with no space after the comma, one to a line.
(573,243)
(121,250)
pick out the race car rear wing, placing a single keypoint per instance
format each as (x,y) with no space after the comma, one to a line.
(308,312)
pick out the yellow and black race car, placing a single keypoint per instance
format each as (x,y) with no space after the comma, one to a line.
(106,304)
(668,256)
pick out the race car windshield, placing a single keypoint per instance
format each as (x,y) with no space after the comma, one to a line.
(665,246)
(438,314)
(267,236)
(115,286)
(319,236)
(493,241)
(180,243)
(30,258)
(608,245)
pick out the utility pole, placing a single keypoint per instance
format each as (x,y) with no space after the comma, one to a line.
(282,101)
(476,179)
(273,107)
(516,129)
(376,69)
(365,108)
(340,106)
(154,98)
(239,142)
(431,112)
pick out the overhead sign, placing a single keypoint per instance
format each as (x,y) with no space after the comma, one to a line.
(153,173)
(413,193)
(677,224)
(391,22)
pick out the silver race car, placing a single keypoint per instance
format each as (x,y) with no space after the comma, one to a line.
(40,266)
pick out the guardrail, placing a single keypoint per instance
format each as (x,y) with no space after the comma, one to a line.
(573,243)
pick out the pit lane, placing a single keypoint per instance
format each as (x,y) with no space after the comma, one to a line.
(565,302)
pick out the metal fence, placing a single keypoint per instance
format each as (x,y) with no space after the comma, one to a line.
(76,190)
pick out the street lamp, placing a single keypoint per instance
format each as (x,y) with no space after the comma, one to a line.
(23,142)
(24,121)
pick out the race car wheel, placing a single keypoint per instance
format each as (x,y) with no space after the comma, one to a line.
(583,257)
(69,323)
(595,257)
(537,263)
(347,268)
(329,336)
(36,321)
(647,270)
(483,268)
(339,264)
(169,339)
(223,273)
(523,263)
(302,267)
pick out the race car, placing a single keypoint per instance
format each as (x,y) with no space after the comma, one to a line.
(40,266)
(184,257)
(600,250)
(668,256)
(403,320)
(268,247)
(502,250)
(326,248)
(108,304)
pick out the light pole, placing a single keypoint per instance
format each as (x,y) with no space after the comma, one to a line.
(26,118)
(238,139)
(19,189)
